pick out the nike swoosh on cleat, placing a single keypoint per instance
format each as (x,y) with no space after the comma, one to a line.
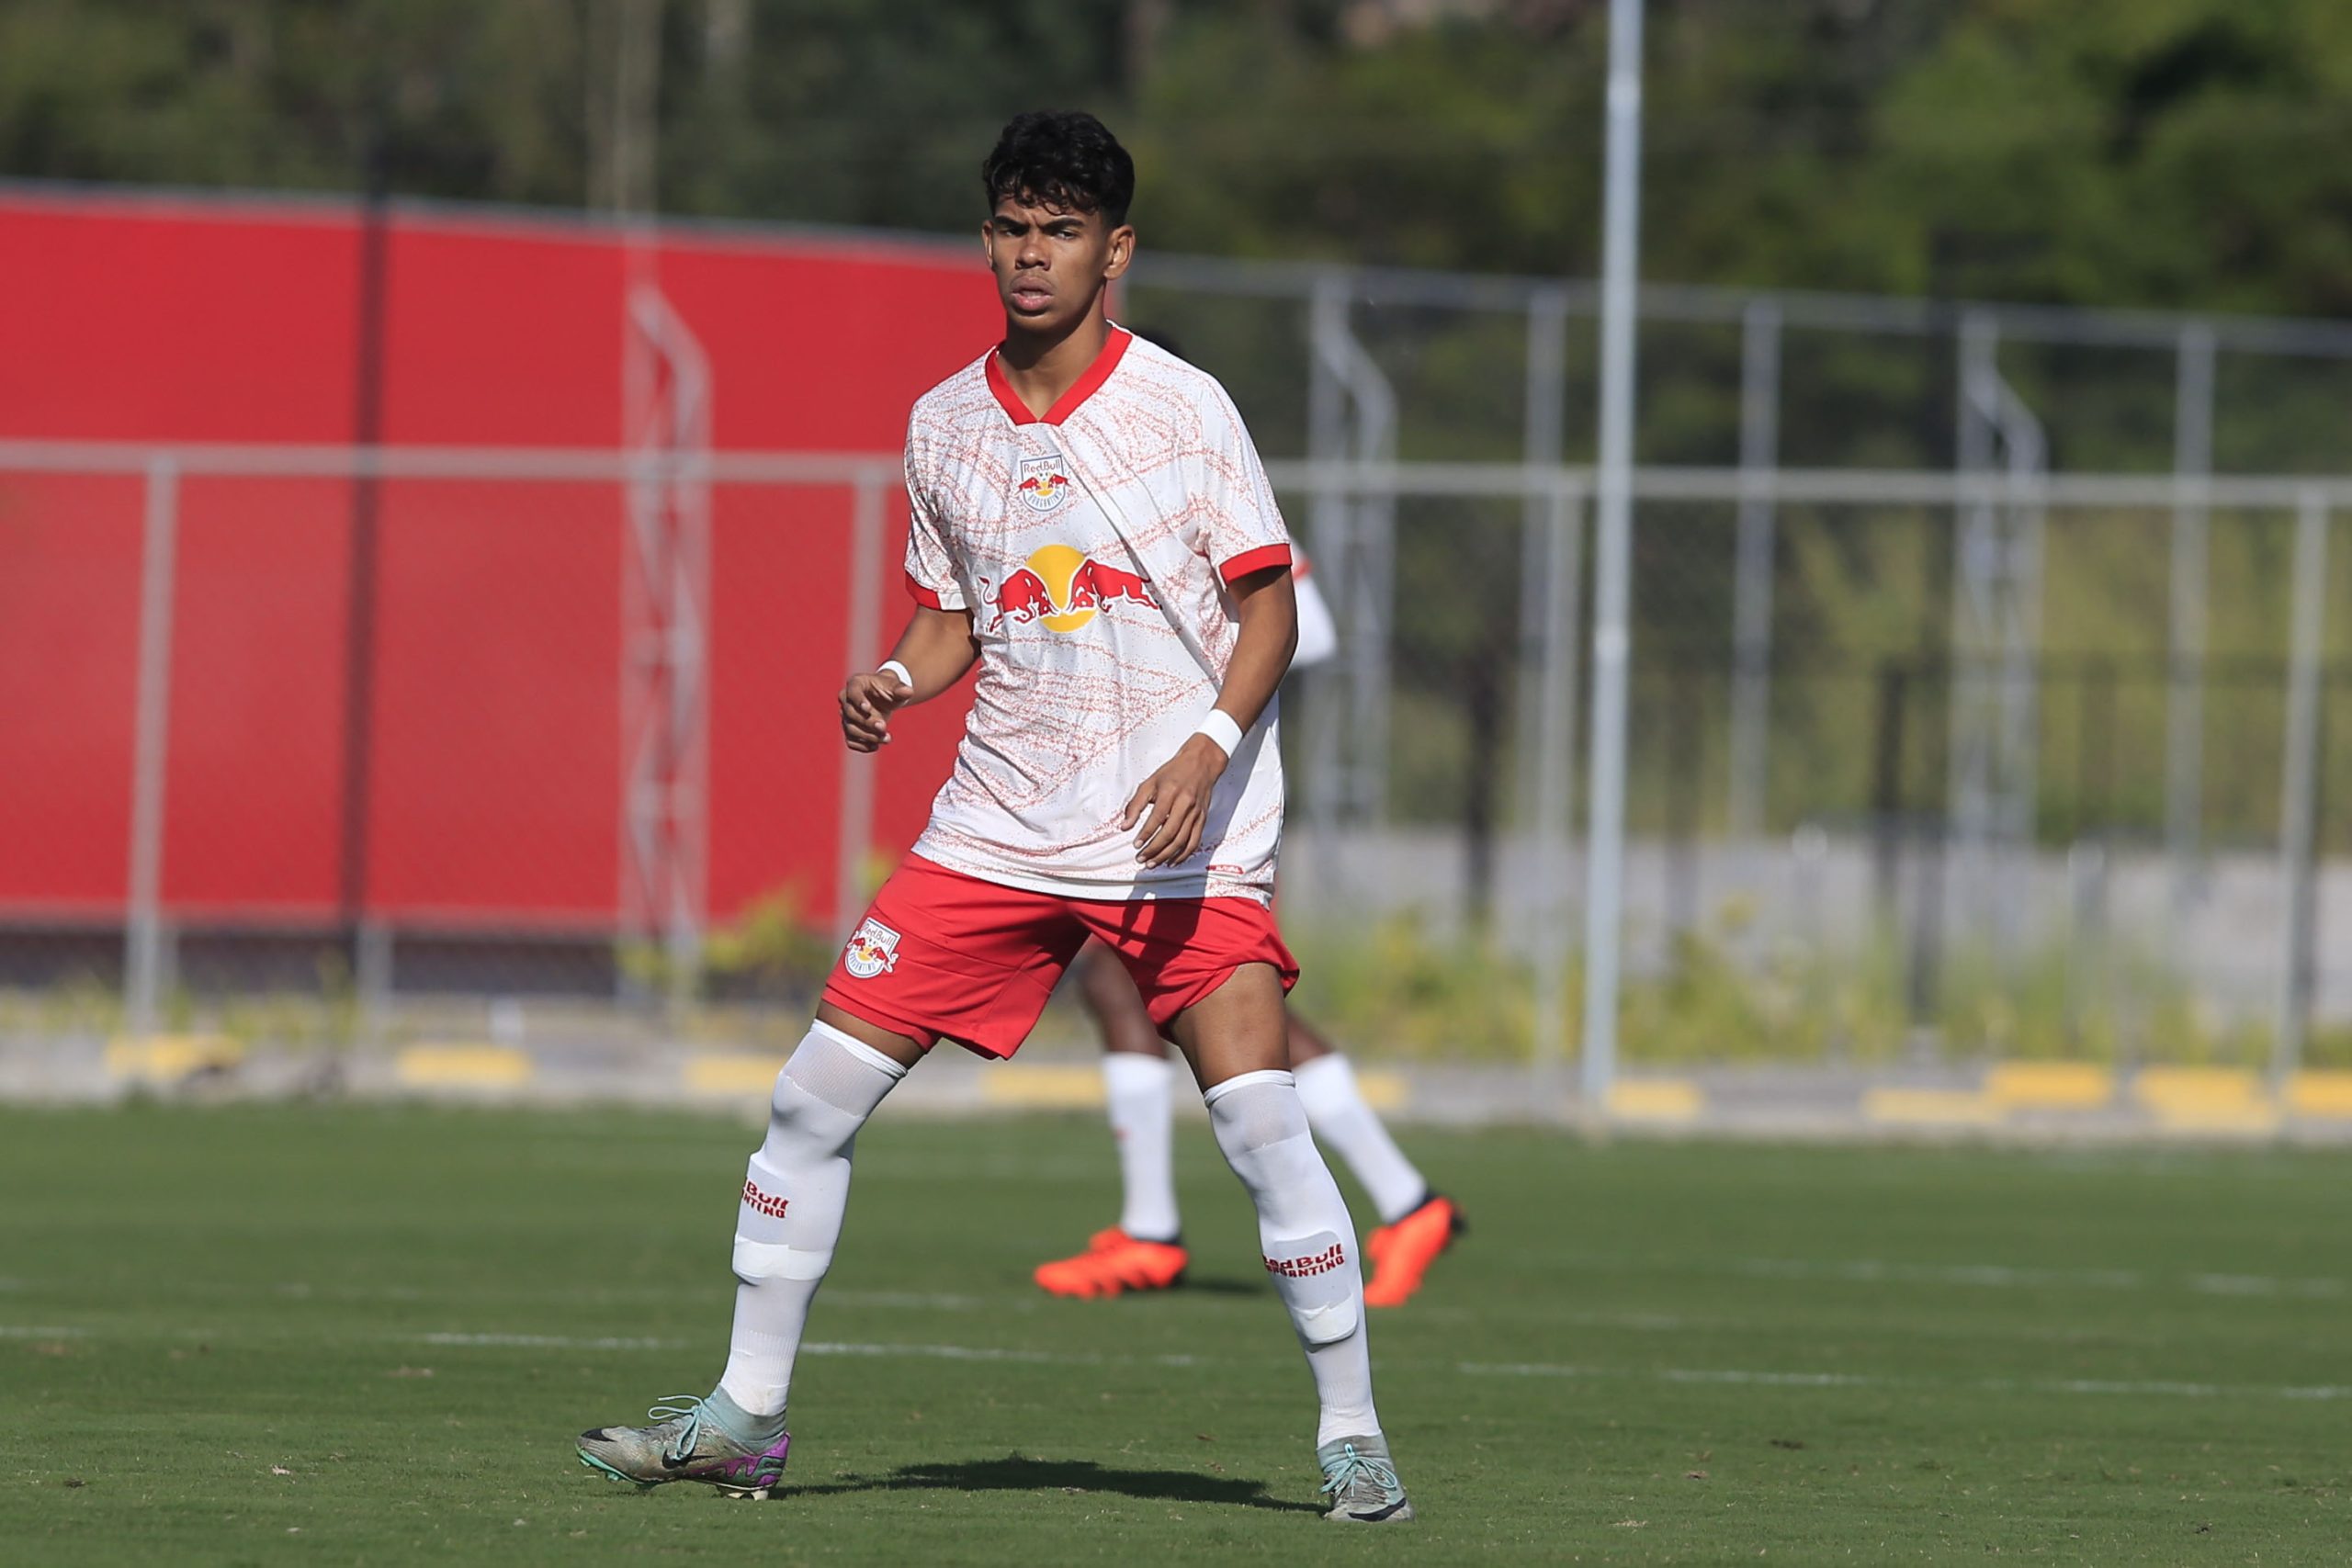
(1375,1518)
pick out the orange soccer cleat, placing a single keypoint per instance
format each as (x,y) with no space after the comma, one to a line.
(1114,1261)
(1403,1252)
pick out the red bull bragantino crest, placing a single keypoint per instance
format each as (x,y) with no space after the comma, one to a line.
(1041,482)
(1061,589)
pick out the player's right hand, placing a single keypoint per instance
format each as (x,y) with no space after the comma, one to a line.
(866,702)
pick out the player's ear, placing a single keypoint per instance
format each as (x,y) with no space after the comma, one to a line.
(1123,250)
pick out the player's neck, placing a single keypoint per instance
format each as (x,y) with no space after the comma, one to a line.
(1041,366)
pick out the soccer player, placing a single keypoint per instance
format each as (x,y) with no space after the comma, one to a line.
(1145,1251)
(1090,524)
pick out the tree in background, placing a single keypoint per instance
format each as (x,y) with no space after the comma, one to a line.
(2156,152)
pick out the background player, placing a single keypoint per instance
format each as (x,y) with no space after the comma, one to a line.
(1145,1251)
(1090,522)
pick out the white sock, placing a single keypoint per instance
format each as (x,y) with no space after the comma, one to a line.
(1136,1087)
(1336,1110)
(1309,1242)
(794,1197)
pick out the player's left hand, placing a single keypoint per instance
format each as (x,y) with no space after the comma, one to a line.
(1173,804)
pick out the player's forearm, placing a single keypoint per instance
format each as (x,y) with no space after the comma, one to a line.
(1267,610)
(936,648)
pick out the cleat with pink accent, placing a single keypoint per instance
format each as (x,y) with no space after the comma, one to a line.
(686,1442)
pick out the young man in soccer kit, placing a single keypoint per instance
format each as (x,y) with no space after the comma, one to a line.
(1145,1251)
(1090,524)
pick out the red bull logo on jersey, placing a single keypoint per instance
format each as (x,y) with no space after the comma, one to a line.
(1041,482)
(873,950)
(1062,589)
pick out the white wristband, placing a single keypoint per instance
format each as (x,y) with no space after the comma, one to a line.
(906,676)
(1219,727)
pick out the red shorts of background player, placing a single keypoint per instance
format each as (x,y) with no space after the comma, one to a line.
(945,956)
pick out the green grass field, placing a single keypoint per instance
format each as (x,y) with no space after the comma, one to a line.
(368,1334)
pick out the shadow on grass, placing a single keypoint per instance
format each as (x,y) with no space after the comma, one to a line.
(1014,1473)
(1214,1286)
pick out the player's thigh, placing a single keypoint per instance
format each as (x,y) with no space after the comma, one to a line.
(904,1049)
(1111,995)
(1306,1041)
(1240,1027)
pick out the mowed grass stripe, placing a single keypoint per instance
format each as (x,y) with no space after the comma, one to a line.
(1715,1351)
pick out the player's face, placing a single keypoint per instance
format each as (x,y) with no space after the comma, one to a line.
(1051,263)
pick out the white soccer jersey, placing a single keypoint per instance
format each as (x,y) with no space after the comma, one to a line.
(1094,548)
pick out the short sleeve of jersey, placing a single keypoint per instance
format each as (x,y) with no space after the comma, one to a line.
(931,571)
(1241,529)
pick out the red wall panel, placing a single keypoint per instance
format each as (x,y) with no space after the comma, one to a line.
(253,798)
(496,779)
(126,319)
(68,661)
(494,782)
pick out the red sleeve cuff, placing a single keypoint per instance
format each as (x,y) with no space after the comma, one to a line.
(1236,568)
(921,595)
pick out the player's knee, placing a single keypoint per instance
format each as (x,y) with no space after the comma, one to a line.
(1255,1111)
(823,1095)
(802,1126)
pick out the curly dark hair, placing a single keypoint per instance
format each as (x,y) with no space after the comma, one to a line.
(1061,158)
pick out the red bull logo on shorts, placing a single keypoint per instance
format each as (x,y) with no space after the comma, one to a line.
(873,950)
(1061,589)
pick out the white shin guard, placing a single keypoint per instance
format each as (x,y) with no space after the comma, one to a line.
(1309,1240)
(795,1194)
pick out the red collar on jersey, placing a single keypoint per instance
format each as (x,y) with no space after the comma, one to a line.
(1086,386)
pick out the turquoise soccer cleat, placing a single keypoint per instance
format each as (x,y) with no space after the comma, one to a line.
(686,1442)
(1361,1479)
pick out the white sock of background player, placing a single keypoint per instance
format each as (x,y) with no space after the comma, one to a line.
(1138,1091)
(1350,1128)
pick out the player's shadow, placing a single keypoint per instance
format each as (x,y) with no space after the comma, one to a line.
(1196,1284)
(1015,1472)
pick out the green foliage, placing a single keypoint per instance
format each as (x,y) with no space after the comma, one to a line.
(776,946)
(2147,152)
(1395,987)
(1398,988)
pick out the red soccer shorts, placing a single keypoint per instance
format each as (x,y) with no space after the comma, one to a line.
(945,956)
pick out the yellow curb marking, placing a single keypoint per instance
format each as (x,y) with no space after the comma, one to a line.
(462,1067)
(2318,1093)
(1930,1107)
(1043,1089)
(2051,1085)
(167,1059)
(1655,1099)
(732,1072)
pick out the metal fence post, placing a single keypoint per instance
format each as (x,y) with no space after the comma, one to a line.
(856,830)
(2185,689)
(1547,370)
(2299,788)
(144,959)
(1556,766)
(1751,637)
(1605,858)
